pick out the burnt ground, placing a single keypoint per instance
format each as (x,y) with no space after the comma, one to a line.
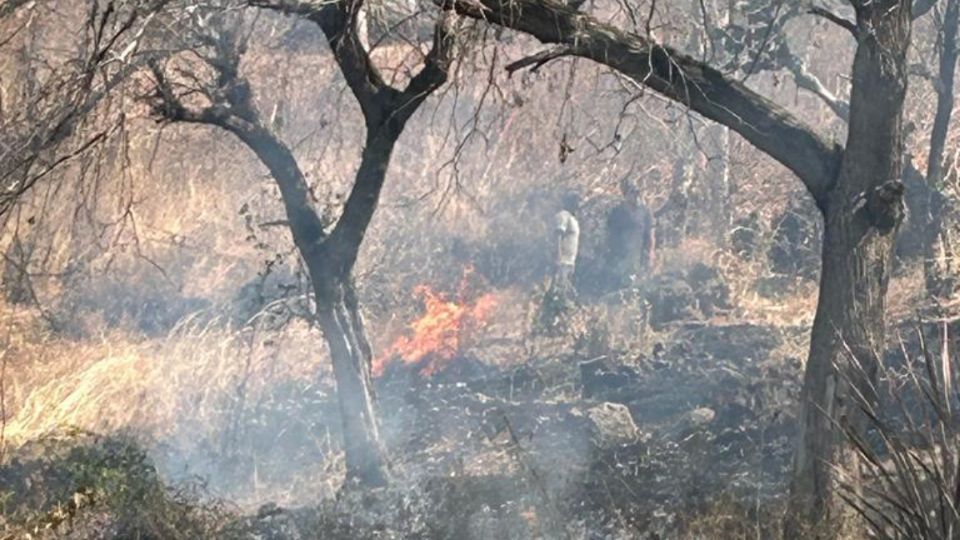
(614,446)
(607,445)
(692,439)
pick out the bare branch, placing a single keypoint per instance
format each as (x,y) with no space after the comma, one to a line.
(435,70)
(679,77)
(539,59)
(808,81)
(337,20)
(246,125)
(361,204)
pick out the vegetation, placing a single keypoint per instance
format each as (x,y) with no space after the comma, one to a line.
(304,251)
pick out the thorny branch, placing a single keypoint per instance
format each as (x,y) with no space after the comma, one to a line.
(70,98)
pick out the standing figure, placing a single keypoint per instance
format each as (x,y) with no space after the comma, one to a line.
(631,237)
(567,232)
(560,296)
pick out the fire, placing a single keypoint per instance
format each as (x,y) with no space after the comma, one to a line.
(437,336)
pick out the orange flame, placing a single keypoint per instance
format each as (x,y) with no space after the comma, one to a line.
(435,338)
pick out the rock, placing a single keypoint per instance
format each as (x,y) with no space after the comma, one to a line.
(691,422)
(601,378)
(698,418)
(611,424)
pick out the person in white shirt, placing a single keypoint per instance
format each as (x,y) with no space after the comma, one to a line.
(567,232)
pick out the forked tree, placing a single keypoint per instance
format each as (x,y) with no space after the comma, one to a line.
(329,252)
(856,187)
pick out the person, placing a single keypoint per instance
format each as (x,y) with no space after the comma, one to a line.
(560,295)
(631,240)
(567,233)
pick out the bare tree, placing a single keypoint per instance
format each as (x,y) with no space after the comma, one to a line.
(330,253)
(857,187)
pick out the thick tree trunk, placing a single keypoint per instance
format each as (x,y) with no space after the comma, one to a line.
(365,456)
(341,320)
(949,52)
(862,213)
(848,328)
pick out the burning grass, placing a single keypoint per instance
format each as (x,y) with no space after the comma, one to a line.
(439,334)
(445,327)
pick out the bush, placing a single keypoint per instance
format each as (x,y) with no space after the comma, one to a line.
(92,486)
(910,450)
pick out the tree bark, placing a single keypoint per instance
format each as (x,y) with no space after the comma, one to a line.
(365,455)
(330,263)
(861,216)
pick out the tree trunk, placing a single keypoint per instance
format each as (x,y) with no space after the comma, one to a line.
(861,216)
(365,456)
(848,327)
(718,187)
(330,261)
(341,320)
(937,270)
(330,258)
(945,84)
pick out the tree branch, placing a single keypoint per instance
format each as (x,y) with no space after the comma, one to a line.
(539,59)
(435,70)
(848,25)
(337,20)
(305,224)
(808,81)
(679,77)
(361,204)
